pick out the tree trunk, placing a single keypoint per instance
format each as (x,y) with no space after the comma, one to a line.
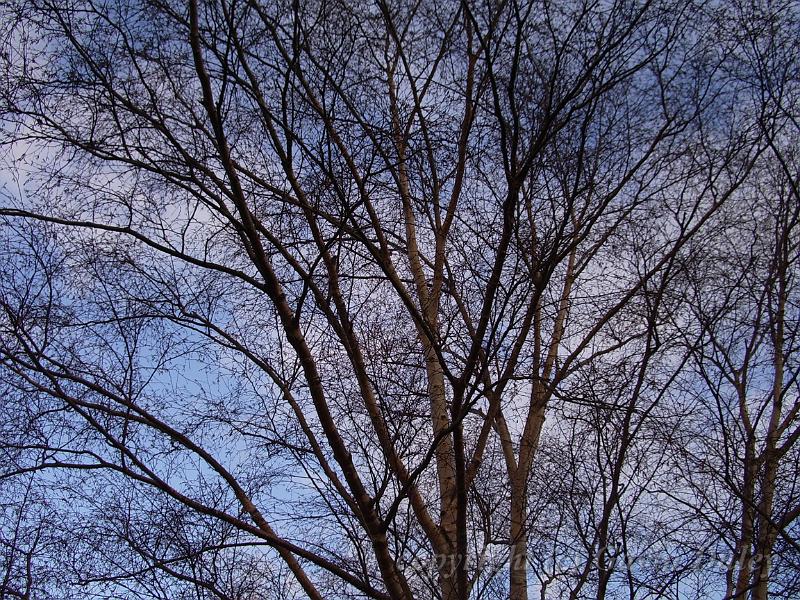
(518,542)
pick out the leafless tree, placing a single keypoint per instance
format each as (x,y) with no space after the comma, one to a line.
(292,290)
(742,332)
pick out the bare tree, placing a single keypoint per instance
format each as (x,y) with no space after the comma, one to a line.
(745,353)
(293,288)
(742,333)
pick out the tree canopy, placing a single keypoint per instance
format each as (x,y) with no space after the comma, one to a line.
(394,300)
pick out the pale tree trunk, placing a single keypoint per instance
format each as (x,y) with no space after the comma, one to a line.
(754,575)
(448,501)
(766,534)
(429,307)
(529,441)
(744,547)
(766,529)
(518,532)
(518,559)
(445,470)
